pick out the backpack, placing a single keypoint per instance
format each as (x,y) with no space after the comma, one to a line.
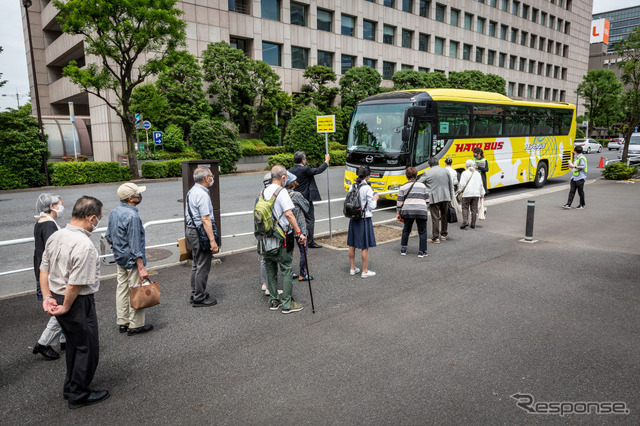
(352,205)
(267,230)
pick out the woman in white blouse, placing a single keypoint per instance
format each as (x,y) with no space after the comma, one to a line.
(361,233)
(472,190)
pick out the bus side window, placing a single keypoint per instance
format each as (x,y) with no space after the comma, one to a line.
(423,142)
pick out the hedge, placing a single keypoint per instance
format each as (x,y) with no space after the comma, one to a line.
(162,169)
(618,171)
(338,158)
(187,154)
(252,147)
(63,174)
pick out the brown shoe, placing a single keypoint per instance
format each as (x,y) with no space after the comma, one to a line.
(435,240)
(443,238)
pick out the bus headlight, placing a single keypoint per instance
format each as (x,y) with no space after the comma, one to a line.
(394,187)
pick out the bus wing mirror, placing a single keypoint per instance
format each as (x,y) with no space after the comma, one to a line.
(414,111)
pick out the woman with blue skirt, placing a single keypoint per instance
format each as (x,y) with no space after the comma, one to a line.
(361,234)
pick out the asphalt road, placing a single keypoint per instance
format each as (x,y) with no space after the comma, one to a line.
(163,200)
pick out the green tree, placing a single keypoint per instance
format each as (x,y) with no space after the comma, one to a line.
(226,69)
(435,80)
(181,84)
(269,98)
(173,139)
(320,94)
(131,39)
(302,135)
(216,140)
(21,149)
(495,83)
(153,105)
(468,79)
(629,51)
(601,91)
(408,79)
(357,84)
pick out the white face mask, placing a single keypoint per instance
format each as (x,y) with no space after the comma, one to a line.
(96,225)
(211,183)
(59,211)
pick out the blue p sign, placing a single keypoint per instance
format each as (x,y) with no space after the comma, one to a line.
(157,138)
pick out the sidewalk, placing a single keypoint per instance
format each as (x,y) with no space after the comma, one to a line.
(446,339)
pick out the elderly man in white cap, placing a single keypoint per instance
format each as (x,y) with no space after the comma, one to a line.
(125,233)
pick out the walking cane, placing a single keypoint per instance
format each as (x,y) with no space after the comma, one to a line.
(304,249)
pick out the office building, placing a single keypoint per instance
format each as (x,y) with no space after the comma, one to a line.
(540,47)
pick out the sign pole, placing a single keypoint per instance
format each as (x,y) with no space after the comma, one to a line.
(326,145)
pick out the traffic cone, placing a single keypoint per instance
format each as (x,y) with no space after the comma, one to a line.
(601,165)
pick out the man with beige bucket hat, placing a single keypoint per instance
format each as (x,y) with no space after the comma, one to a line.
(125,233)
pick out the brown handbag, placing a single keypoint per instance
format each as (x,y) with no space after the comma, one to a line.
(144,295)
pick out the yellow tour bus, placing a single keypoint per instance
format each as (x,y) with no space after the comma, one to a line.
(522,141)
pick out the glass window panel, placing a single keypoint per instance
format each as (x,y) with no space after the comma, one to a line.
(423,42)
(453,49)
(325,58)
(325,18)
(271,53)
(369,30)
(348,25)
(299,57)
(348,62)
(388,69)
(424,8)
(407,38)
(388,34)
(455,15)
(298,14)
(440,12)
(270,9)
(439,46)
(368,62)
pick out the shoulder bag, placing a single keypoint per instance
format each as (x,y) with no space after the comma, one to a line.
(203,238)
(405,197)
(459,196)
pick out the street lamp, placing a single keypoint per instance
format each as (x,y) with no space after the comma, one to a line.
(27,4)
(18,96)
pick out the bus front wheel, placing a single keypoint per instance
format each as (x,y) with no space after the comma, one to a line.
(541,175)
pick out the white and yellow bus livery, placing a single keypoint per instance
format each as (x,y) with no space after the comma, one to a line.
(522,141)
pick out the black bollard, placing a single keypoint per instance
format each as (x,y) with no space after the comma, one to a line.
(531,207)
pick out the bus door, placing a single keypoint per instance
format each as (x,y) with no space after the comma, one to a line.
(422,146)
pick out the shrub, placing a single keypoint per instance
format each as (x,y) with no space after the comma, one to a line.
(248,148)
(271,135)
(338,157)
(63,174)
(619,171)
(302,135)
(154,169)
(285,159)
(21,149)
(333,145)
(257,142)
(217,140)
(173,139)
(187,154)
(174,168)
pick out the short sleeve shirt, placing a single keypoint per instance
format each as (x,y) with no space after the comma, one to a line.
(200,203)
(71,259)
(281,205)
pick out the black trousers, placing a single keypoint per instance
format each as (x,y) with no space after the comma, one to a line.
(200,268)
(576,185)
(422,233)
(80,326)
(310,220)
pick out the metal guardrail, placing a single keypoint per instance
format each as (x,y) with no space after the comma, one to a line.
(18,241)
(630,160)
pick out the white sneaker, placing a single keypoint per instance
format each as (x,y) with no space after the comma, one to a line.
(264,287)
(266,292)
(354,271)
(368,274)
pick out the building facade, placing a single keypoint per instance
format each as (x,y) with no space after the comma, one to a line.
(540,47)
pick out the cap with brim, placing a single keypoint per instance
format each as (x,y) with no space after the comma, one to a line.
(130,189)
(290,178)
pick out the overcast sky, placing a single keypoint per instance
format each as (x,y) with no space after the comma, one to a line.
(13,63)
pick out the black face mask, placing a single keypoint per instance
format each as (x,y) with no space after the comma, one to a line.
(138,200)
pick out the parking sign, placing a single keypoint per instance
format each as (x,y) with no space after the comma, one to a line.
(157,138)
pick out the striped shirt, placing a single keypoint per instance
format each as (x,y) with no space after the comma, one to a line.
(413,204)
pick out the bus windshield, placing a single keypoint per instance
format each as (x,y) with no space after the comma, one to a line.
(378,128)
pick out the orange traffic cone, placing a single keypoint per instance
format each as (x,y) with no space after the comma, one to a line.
(601,165)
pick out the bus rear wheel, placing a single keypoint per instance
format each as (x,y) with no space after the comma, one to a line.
(541,175)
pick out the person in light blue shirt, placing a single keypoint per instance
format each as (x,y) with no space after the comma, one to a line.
(125,233)
(579,169)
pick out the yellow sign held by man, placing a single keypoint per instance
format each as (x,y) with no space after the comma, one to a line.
(326,123)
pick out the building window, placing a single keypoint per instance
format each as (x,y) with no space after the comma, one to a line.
(532,66)
(543,18)
(514,35)
(564,73)
(491,57)
(423,42)
(563,96)
(240,43)
(549,68)
(439,46)
(525,11)
(407,6)
(532,41)
(271,54)
(560,23)
(299,14)
(348,26)
(325,19)
(240,6)
(325,58)
(468,21)
(543,41)
(510,88)
(502,59)
(270,9)
(512,62)
(479,54)
(523,64)
(567,28)
(565,51)
(540,67)
(455,16)
(368,62)
(480,25)
(523,38)
(555,95)
(492,28)
(388,34)
(389,3)
(404,67)
(521,87)
(505,5)
(407,38)
(558,47)
(466,52)
(453,49)
(299,57)
(549,46)
(503,32)
(423,69)
(493,3)
(529,91)
(556,71)
(369,30)
(515,8)
(552,21)
(441,10)
(546,93)
(424,8)
(348,62)
(534,15)
(388,69)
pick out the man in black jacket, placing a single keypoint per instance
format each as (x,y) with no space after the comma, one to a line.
(308,188)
